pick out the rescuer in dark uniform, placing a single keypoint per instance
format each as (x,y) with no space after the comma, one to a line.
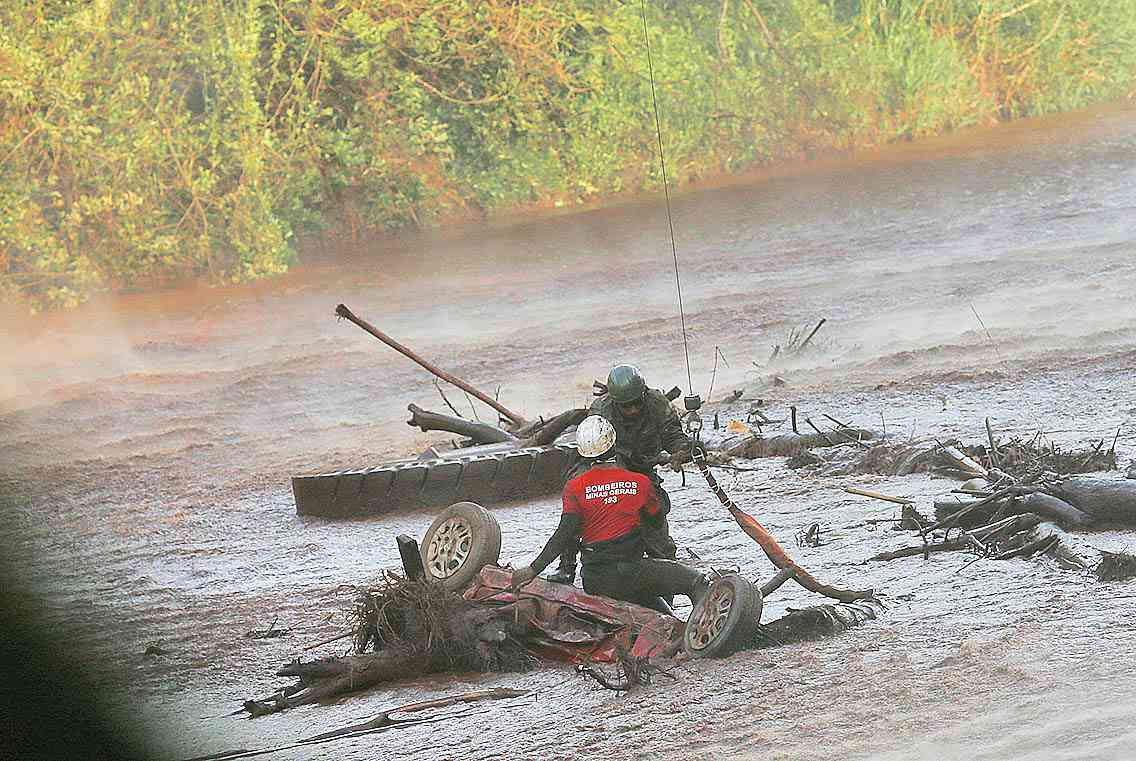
(645,425)
(609,510)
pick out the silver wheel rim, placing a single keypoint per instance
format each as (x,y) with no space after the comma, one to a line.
(708,621)
(449,548)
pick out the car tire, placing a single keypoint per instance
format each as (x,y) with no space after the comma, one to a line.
(724,620)
(461,541)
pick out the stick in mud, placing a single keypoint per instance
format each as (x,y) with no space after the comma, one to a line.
(876,495)
(341,310)
(924,550)
(817,328)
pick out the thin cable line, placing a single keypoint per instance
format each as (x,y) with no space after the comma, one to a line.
(667,196)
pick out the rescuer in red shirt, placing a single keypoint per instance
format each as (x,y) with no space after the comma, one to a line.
(605,508)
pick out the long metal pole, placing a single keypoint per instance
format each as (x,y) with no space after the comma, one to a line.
(342,311)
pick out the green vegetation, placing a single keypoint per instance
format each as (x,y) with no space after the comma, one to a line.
(143,141)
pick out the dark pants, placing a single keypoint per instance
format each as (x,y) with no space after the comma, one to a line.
(656,532)
(643,580)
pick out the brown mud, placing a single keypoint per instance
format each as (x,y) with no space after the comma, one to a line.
(147,443)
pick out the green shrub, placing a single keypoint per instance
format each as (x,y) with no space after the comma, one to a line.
(146,141)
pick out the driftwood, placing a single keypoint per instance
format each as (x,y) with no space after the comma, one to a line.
(544,432)
(413,628)
(788,444)
(1054,509)
(1019,536)
(1005,527)
(1105,501)
(1080,503)
(769,544)
(481,433)
(1031,548)
(538,433)
(336,676)
(342,311)
(910,552)
(1049,539)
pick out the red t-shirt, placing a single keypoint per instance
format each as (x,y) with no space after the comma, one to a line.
(608,500)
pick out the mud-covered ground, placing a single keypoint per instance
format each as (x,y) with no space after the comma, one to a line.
(147,443)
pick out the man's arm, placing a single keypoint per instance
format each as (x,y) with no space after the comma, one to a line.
(652,509)
(565,534)
(673,438)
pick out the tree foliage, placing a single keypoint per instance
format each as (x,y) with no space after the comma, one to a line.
(143,141)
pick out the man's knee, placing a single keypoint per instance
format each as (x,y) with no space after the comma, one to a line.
(658,541)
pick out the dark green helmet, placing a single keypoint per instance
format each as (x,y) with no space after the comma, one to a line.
(625,384)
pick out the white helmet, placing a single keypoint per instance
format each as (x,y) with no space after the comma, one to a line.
(594,437)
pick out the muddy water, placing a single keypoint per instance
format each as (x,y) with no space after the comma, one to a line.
(147,443)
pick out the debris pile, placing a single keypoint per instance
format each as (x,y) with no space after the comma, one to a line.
(1016,500)
(1027,459)
(1116,566)
(1023,461)
(442,628)
(411,628)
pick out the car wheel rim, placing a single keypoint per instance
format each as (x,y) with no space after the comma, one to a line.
(449,548)
(707,623)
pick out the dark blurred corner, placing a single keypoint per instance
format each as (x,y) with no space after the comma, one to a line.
(48,709)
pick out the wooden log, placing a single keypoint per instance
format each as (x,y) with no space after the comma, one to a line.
(545,433)
(1106,501)
(482,433)
(1028,549)
(967,509)
(945,509)
(1067,549)
(1006,526)
(789,444)
(910,552)
(1054,509)
(337,676)
(341,310)
(970,467)
(877,495)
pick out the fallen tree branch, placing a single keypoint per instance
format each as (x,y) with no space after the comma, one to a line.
(1043,544)
(876,495)
(342,311)
(769,545)
(382,721)
(482,433)
(910,552)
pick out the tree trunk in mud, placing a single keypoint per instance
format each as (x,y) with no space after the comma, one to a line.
(336,676)
(542,434)
(535,434)
(977,512)
(482,433)
(1103,500)
(1077,503)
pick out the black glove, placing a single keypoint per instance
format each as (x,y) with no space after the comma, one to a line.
(522,576)
(677,460)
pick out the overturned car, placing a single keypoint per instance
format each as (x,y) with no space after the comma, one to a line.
(452,609)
